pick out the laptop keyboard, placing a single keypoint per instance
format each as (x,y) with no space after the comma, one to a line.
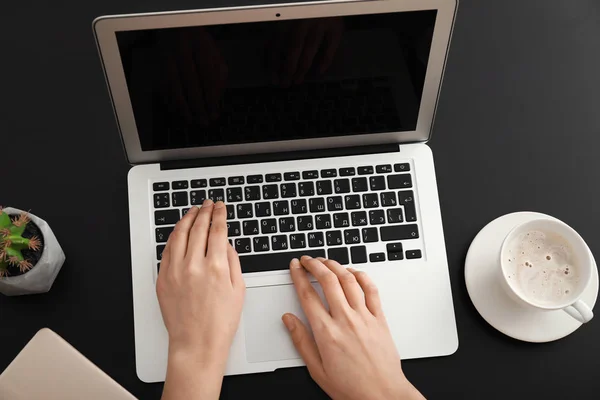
(274,217)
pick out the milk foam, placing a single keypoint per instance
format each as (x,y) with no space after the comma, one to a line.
(542,267)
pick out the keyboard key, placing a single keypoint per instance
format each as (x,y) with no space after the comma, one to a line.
(365,170)
(394,215)
(306,189)
(279,242)
(230,211)
(252,193)
(199,183)
(324,187)
(382,169)
(316,239)
(287,224)
(406,199)
(281,207)
(376,257)
(270,192)
(161,200)
(162,234)
(235,180)
(316,204)
(244,211)
(242,245)
(394,251)
(359,218)
(358,254)
(180,199)
(157,268)
(360,185)
(217,182)
(400,181)
(274,261)
(254,179)
(341,186)
(370,200)
(159,250)
(412,254)
(250,227)
(298,241)
(166,217)
(351,236)
(262,209)
(234,228)
(180,185)
(341,220)
(159,186)
(216,195)
(305,223)
(404,167)
(399,232)
(299,206)
(288,190)
(377,183)
(328,173)
(184,211)
(291,176)
(376,217)
(339,254)
(310,174)
(388,199)
(370,235)
(261,243)
(197,197)
(335,203)
(334,238)
(350,171)
(273,177)
(352,202)
(234,194)
(268,226)
(323,221)
(395,256)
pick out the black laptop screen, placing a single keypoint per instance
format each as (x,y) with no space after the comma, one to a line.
(280,80)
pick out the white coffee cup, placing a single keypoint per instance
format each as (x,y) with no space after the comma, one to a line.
(573,305)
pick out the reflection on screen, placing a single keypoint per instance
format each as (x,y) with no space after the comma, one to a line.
(280,80)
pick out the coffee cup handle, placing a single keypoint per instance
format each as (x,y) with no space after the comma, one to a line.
(580,311)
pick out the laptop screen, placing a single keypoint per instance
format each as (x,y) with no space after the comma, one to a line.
(280,80)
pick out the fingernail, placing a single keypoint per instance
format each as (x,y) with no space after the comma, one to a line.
(289,322)
(219,204)
(207,203)
(295,263)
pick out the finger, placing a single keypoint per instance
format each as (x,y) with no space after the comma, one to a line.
(293,53)
(199,233)
(178,240)
(332,42)
(235,269)
(352,290)
(309,299)
(304,343)
(308,54)
(371,292)
(217,236)
(330,283)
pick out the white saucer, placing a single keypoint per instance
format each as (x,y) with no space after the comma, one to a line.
(493,303)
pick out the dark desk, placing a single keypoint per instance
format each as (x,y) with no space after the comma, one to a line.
(518,128)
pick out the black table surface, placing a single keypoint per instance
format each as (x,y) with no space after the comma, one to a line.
(518,128)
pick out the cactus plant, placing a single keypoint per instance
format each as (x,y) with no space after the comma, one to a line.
(13,244)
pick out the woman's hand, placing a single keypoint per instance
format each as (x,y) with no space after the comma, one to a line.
(201,293)
(352,354)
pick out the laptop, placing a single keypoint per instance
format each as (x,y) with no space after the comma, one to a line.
(311,122)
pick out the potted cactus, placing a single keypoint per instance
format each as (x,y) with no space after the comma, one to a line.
(30,256)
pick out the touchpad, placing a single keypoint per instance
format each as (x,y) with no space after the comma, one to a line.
(267,339)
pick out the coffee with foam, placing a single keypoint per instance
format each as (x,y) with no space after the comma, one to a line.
(542,267)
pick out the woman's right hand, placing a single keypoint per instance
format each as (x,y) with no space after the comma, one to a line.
(352,354)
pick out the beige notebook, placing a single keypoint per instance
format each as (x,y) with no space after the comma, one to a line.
(49,368)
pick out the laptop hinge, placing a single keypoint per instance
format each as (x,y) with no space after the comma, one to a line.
(285,156)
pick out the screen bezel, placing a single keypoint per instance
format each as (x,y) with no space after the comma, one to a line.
(105,29)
